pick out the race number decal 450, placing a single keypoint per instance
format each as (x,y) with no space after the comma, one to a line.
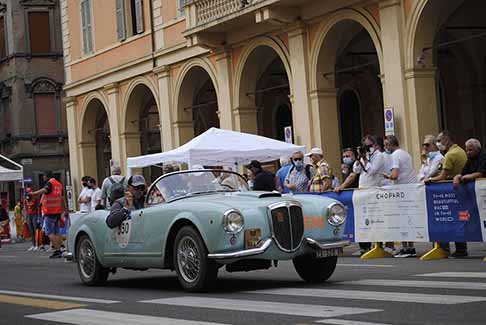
(122,233)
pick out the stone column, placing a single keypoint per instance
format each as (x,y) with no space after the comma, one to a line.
(117,146)
(395,90)
(183,132)
(246,119)
(422,98)
(165,116)
(225,100)
(301,115)
(73,140)
(324,114)
(89,164)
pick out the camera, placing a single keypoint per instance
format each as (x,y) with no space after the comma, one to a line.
(361,150)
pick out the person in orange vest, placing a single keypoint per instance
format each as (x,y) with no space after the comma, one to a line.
(52,208)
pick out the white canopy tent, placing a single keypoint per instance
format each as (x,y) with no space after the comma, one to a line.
(11,175)
(217,147)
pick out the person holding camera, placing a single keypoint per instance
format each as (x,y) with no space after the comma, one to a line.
(370,164)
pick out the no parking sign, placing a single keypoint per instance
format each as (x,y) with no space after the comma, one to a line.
(389,121)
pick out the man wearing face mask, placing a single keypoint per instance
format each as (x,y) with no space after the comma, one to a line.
(351,179)
(299,176)
(84,199)
(434,159)
(454,159)
(371,163)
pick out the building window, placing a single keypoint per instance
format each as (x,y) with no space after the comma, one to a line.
(39,31)
(3,40)
(129,15)
(86,26)
(7,128)
(180,7)
(46,114)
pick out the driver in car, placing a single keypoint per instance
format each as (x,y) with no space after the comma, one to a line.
(121,206)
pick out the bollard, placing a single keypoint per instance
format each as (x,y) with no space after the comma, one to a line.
(376,252)
(435,253)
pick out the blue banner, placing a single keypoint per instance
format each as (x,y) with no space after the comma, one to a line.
(453,214)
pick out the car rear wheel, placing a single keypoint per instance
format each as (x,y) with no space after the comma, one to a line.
(196,273)
(312,269)
(90,270)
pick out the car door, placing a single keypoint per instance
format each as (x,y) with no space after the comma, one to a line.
(125,242)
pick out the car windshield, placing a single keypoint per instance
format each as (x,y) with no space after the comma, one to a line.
(194,182)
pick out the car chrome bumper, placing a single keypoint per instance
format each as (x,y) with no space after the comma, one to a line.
(243,253)
(323,246)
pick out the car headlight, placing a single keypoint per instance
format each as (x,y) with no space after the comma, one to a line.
(336,214)
(233,221)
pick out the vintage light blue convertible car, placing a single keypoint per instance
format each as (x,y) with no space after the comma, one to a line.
(197,221)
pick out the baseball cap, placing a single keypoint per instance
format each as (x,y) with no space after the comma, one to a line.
(314,151)
(136,180)
(254,164)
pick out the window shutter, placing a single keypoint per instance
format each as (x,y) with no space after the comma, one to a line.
(120,20)
(83,25)
(89,31)
(86,26)
(139,16)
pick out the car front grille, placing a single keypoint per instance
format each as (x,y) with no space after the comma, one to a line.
(287,225)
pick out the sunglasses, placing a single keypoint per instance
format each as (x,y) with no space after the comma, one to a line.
(426,144)
(298,159)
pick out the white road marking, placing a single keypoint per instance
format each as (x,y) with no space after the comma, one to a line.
(98,317)
(262,306)
(41,295)
(455,274)
(418,284)
(345,322)
(419,298)
(366,265)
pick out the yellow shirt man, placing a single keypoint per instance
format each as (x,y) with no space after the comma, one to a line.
(454,161)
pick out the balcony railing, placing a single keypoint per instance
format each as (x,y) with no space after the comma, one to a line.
(210,10)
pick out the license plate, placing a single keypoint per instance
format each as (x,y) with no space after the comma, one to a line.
(328,252)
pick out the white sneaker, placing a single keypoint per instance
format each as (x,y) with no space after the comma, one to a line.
(36,248)
(390,250)
(32,248)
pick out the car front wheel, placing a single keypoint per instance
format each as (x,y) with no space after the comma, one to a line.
(312,269)
(195,271)
(90,270)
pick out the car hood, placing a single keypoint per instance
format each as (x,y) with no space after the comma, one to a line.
(254,200)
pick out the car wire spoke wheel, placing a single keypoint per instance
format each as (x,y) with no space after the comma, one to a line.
(196,273)
(87,259)
(188,259)
(90,270)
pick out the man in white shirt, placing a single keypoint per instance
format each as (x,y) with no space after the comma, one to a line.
(370,167)
(402,172)
(96,196)
(371,163)
(84,199)
(434,159)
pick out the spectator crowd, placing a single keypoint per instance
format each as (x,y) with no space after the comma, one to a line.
(378,162)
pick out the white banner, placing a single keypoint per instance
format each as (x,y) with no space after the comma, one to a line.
(391,213)
(481,201)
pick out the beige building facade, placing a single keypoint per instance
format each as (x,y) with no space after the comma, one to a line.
(147,76)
